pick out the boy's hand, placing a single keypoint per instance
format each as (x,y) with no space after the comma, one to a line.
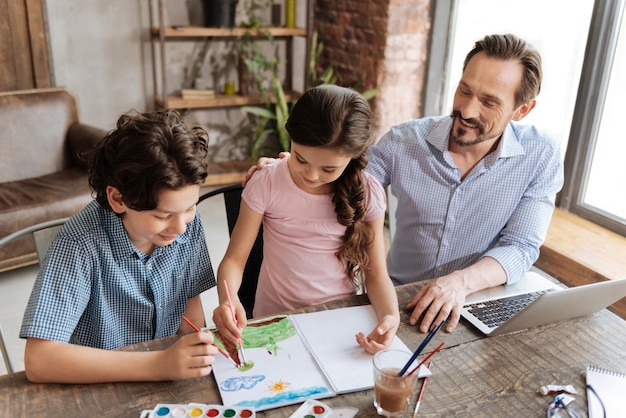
(262,162)
(191,356)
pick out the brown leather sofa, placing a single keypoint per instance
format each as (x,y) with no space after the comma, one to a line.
(42,176)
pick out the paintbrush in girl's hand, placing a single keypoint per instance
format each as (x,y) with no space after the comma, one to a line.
(224,353)
(232,311)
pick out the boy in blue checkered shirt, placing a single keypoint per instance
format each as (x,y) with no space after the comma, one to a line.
(129,265)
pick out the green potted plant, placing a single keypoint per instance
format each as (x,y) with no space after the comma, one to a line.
(253,65)
(270,122)
(269,119)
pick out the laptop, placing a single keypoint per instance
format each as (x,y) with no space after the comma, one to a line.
(536,300)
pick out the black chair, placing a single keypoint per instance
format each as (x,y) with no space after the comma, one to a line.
(232,202)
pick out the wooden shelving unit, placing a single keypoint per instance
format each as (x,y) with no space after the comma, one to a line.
(201,32)
(228,172)
(219,100)
(167,97)
(161,34)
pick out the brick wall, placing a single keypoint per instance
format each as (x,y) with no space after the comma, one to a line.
(378,44)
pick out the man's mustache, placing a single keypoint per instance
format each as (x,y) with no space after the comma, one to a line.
(471,121)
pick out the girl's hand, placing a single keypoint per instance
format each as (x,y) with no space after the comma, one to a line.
(223,319)
(381,337)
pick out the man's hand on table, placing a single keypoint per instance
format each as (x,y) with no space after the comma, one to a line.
(439,300)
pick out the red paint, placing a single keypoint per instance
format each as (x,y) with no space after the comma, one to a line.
(317,409)
(212,413)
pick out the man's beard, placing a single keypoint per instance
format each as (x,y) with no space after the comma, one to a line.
(455,136)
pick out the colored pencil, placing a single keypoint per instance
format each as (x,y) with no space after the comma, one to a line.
(421,347)
(426,359)
(232,311)
(419,396)
(192,325)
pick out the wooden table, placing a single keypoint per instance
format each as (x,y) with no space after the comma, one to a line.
(473,376)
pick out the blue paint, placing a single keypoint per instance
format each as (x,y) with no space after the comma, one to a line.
(163,411)
(234,384)
(286,397)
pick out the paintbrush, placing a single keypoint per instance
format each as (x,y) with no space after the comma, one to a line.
(426,359)
(232,311)
(419,396)
(421,347)
(224,353)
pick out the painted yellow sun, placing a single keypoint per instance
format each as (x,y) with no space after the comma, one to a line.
(280,386)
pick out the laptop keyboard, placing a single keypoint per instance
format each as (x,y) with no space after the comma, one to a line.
(494,312)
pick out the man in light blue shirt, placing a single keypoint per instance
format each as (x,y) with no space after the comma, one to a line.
(475,189)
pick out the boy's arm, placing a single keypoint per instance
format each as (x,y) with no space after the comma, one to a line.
(56,362)
(381,293)
(195,314)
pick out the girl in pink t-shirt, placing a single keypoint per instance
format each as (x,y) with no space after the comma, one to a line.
(322,219)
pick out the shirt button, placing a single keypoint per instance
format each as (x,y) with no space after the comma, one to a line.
(160,306)
(149,266)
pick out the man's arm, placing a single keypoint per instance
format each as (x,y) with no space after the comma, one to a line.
(380,159)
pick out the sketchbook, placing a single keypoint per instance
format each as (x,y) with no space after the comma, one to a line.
(291,358)
(605,392)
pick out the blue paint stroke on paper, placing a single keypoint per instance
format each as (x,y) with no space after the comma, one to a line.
(286,397)
(235,384)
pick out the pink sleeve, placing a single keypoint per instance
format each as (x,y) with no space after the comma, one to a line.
(256,192)
(375,198)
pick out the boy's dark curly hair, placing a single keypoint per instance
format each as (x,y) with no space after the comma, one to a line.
(145,154)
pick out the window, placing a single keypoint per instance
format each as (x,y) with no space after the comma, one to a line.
(610,146)
(595,170)
(580,59)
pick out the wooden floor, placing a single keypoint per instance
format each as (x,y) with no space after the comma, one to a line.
(577,252)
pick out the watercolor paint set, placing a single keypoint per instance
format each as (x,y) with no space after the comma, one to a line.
(316,409)
(197,410)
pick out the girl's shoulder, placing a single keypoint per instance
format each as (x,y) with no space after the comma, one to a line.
(375,197)
(372,184)
(267,184)
(270,173)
